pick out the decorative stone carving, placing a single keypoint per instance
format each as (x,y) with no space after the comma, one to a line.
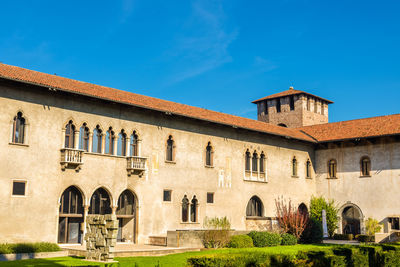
(101,237)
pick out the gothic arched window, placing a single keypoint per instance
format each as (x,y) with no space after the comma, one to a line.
(84,137)
(18,133)
(365,163)
(110,139)
(254,162)
(100,202)
(262,163)
(247,161)
(185,209)
(97,140)
(170,149)
(294,166)
(193,209)
(70,135)
(121,146)
(308,169)
(209,155)
(134,144)
(332,168)
(254,207)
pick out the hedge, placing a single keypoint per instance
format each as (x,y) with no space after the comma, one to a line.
(240,241)
(366,238)
(28,248)
(288,240)
(343,237)
(265,239)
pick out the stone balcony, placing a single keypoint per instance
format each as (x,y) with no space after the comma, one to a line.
(136,165)
(71,158)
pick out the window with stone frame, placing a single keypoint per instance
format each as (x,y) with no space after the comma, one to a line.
(254,207)
(291,102)
(69,135)
(185,209)
(170,153)
(278,105)
(332,168)
(209,155)
(247,161)
(100,202)
(18,132)
(84,137)
(121,145)
(110,139)
(308,169)
(18,188)
(134,146)
(210,197)
(254,162)
(97,140)
(193,210)
(294,167)
(167,194)
(262,163)
(365,164)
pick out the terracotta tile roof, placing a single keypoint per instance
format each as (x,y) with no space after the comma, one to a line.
(361,128)
(288,93)
(107,93)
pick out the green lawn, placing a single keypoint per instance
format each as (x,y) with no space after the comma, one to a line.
(163,261)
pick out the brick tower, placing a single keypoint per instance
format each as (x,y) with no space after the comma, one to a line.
(293,108)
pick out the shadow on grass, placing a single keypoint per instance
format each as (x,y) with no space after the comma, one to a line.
(63,261)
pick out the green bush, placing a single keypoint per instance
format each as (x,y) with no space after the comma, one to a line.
(241,241)
(343,237)
(288,240)
(265,239)
(216,233)
(366,238)
(372,226)
(28,248)
(354,257)
(318,204)
(235,260)
(313,232)
(389,259)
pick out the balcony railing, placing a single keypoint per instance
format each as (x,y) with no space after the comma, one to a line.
(136,165)
(71,158)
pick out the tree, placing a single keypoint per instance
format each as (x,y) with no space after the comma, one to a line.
(290,219)
(317,204)
(372,226)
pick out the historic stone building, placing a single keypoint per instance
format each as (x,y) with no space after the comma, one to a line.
(71,148)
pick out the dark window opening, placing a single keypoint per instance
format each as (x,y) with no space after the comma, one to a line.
(308,169)
(18,129)
(394,223)
(97,140)
(254,207)
(365,166)
(134,144)
(167,195)
(170,149)
(210,197)
(70,135)
(121,146)
(71,201)
(18,189)
(100,202)
(110,139)
(294,167)
(209,155)
(185,209)
(282,125)
(262,163)
(84,138)
(332,168)
(126,203)
(291,103)
(255,162)
(193,209)
(278,105)
(247,160)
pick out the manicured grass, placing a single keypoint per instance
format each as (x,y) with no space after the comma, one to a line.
(164,261)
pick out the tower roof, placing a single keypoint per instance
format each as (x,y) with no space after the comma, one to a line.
(290,92)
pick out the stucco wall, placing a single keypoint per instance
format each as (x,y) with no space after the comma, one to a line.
(34,217)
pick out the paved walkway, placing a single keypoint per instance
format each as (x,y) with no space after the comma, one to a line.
(341,242)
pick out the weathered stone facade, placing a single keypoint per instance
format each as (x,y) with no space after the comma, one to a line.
(101,237)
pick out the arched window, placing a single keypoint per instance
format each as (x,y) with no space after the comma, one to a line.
(193,209)
(126,203)
(97,140)
(70,135)
(185,209)
(262,163)
(254,207)
(170,149)
(247,161)
(332,168)
(254,162)
(134,144)
(365,166)
(71,216)
(100,202)
(282,125)
(294,166)
(308,169)
(209,155)
(18,133)
(121,146)
(84,137)
(110,139)
(302,209)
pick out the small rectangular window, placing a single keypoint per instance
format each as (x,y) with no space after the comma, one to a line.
(18,188)
(278,105)
(167,195)
(210,197)
(292,103)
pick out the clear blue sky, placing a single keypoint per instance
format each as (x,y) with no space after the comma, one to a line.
(219,55)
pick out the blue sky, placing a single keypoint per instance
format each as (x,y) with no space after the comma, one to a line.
(218,55)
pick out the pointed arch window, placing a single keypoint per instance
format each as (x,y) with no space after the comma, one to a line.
(126,203)
(134,146)
(100,202)
(209,155)
(110,139)
(308,169)
(248,161)
(97,140)
(84,137)
(193,209)
(254,162)
(121,146)
(332,168)
(185,209)
(70,135)
(254,207)
(294,167)
(262,163)
(170,149)
(18,134)
(365,163)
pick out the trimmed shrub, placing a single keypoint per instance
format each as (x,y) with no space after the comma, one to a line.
(28,248)
(265,239)
(389,259)
(354,257)
(241,241)
(288,240)
(343,237)
(366,238)
(313,232)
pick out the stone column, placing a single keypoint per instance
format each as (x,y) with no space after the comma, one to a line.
(115,145)
(127,147)
(139,147)
(114,210)
(103,143)
(85,213)
(76,139)
(90,143)
(63,138)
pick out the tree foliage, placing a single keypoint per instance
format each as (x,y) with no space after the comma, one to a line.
(317,204)
(372,226)
(290,219)
(217,232)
